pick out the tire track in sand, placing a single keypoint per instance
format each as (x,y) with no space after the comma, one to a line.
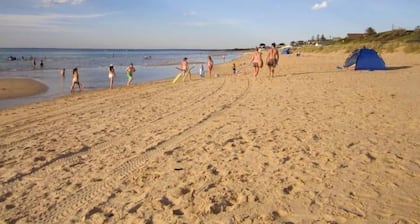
(97,192)
(59,115)
(74,157)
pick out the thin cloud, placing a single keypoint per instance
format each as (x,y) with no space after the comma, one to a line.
(196,24)
(322,5)
(45,21)
(48,3)
(201,24)
(230,22)
(190,13)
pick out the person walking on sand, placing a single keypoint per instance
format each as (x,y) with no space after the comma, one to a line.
(255,61)
(130,70)
(210,64)
(75,80)
(233,69)
(272,59)
(111,75)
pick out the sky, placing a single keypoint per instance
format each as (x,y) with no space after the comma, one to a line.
(193,24)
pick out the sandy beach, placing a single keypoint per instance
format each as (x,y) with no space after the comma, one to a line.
(19,87)
(313,145)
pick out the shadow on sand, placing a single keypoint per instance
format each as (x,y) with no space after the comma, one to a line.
(397,67)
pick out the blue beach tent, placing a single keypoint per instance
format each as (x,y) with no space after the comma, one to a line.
(286,51)
(365,59)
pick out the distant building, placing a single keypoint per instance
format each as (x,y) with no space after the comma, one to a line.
(300,42)
(311,42)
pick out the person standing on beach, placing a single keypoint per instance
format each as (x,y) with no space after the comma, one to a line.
(130,70)
(255,61)
(210,64)
(272,59)
(233,69)
(63,72)
(185,69)
(111,75)
(201,71)
(75,80)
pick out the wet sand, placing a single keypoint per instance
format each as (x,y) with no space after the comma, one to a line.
(19,87)
(313,145)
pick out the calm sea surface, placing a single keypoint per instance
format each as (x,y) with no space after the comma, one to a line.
(93,64)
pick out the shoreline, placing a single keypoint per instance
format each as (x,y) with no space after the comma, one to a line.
(94,70)
(12,88)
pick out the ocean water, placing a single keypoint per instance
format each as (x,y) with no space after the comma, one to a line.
(93,65)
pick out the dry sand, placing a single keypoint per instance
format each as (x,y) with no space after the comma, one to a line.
(313,145)
(13,88)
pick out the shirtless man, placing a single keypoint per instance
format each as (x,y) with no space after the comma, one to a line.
(130,70)
(272,59)
(185,69)
(75,80)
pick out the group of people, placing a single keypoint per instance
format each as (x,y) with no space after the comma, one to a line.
(41,64)
(186,71)
(111,75)
(272,60)
(256,61)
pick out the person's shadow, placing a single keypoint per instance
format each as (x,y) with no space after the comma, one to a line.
(397,67)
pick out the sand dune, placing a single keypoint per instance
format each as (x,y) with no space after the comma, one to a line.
(313,145)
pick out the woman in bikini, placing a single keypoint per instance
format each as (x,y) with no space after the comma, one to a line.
(255,61)
(210,64)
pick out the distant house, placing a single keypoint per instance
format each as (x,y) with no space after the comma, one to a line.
(300,42)
(355,36)
(311,42)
